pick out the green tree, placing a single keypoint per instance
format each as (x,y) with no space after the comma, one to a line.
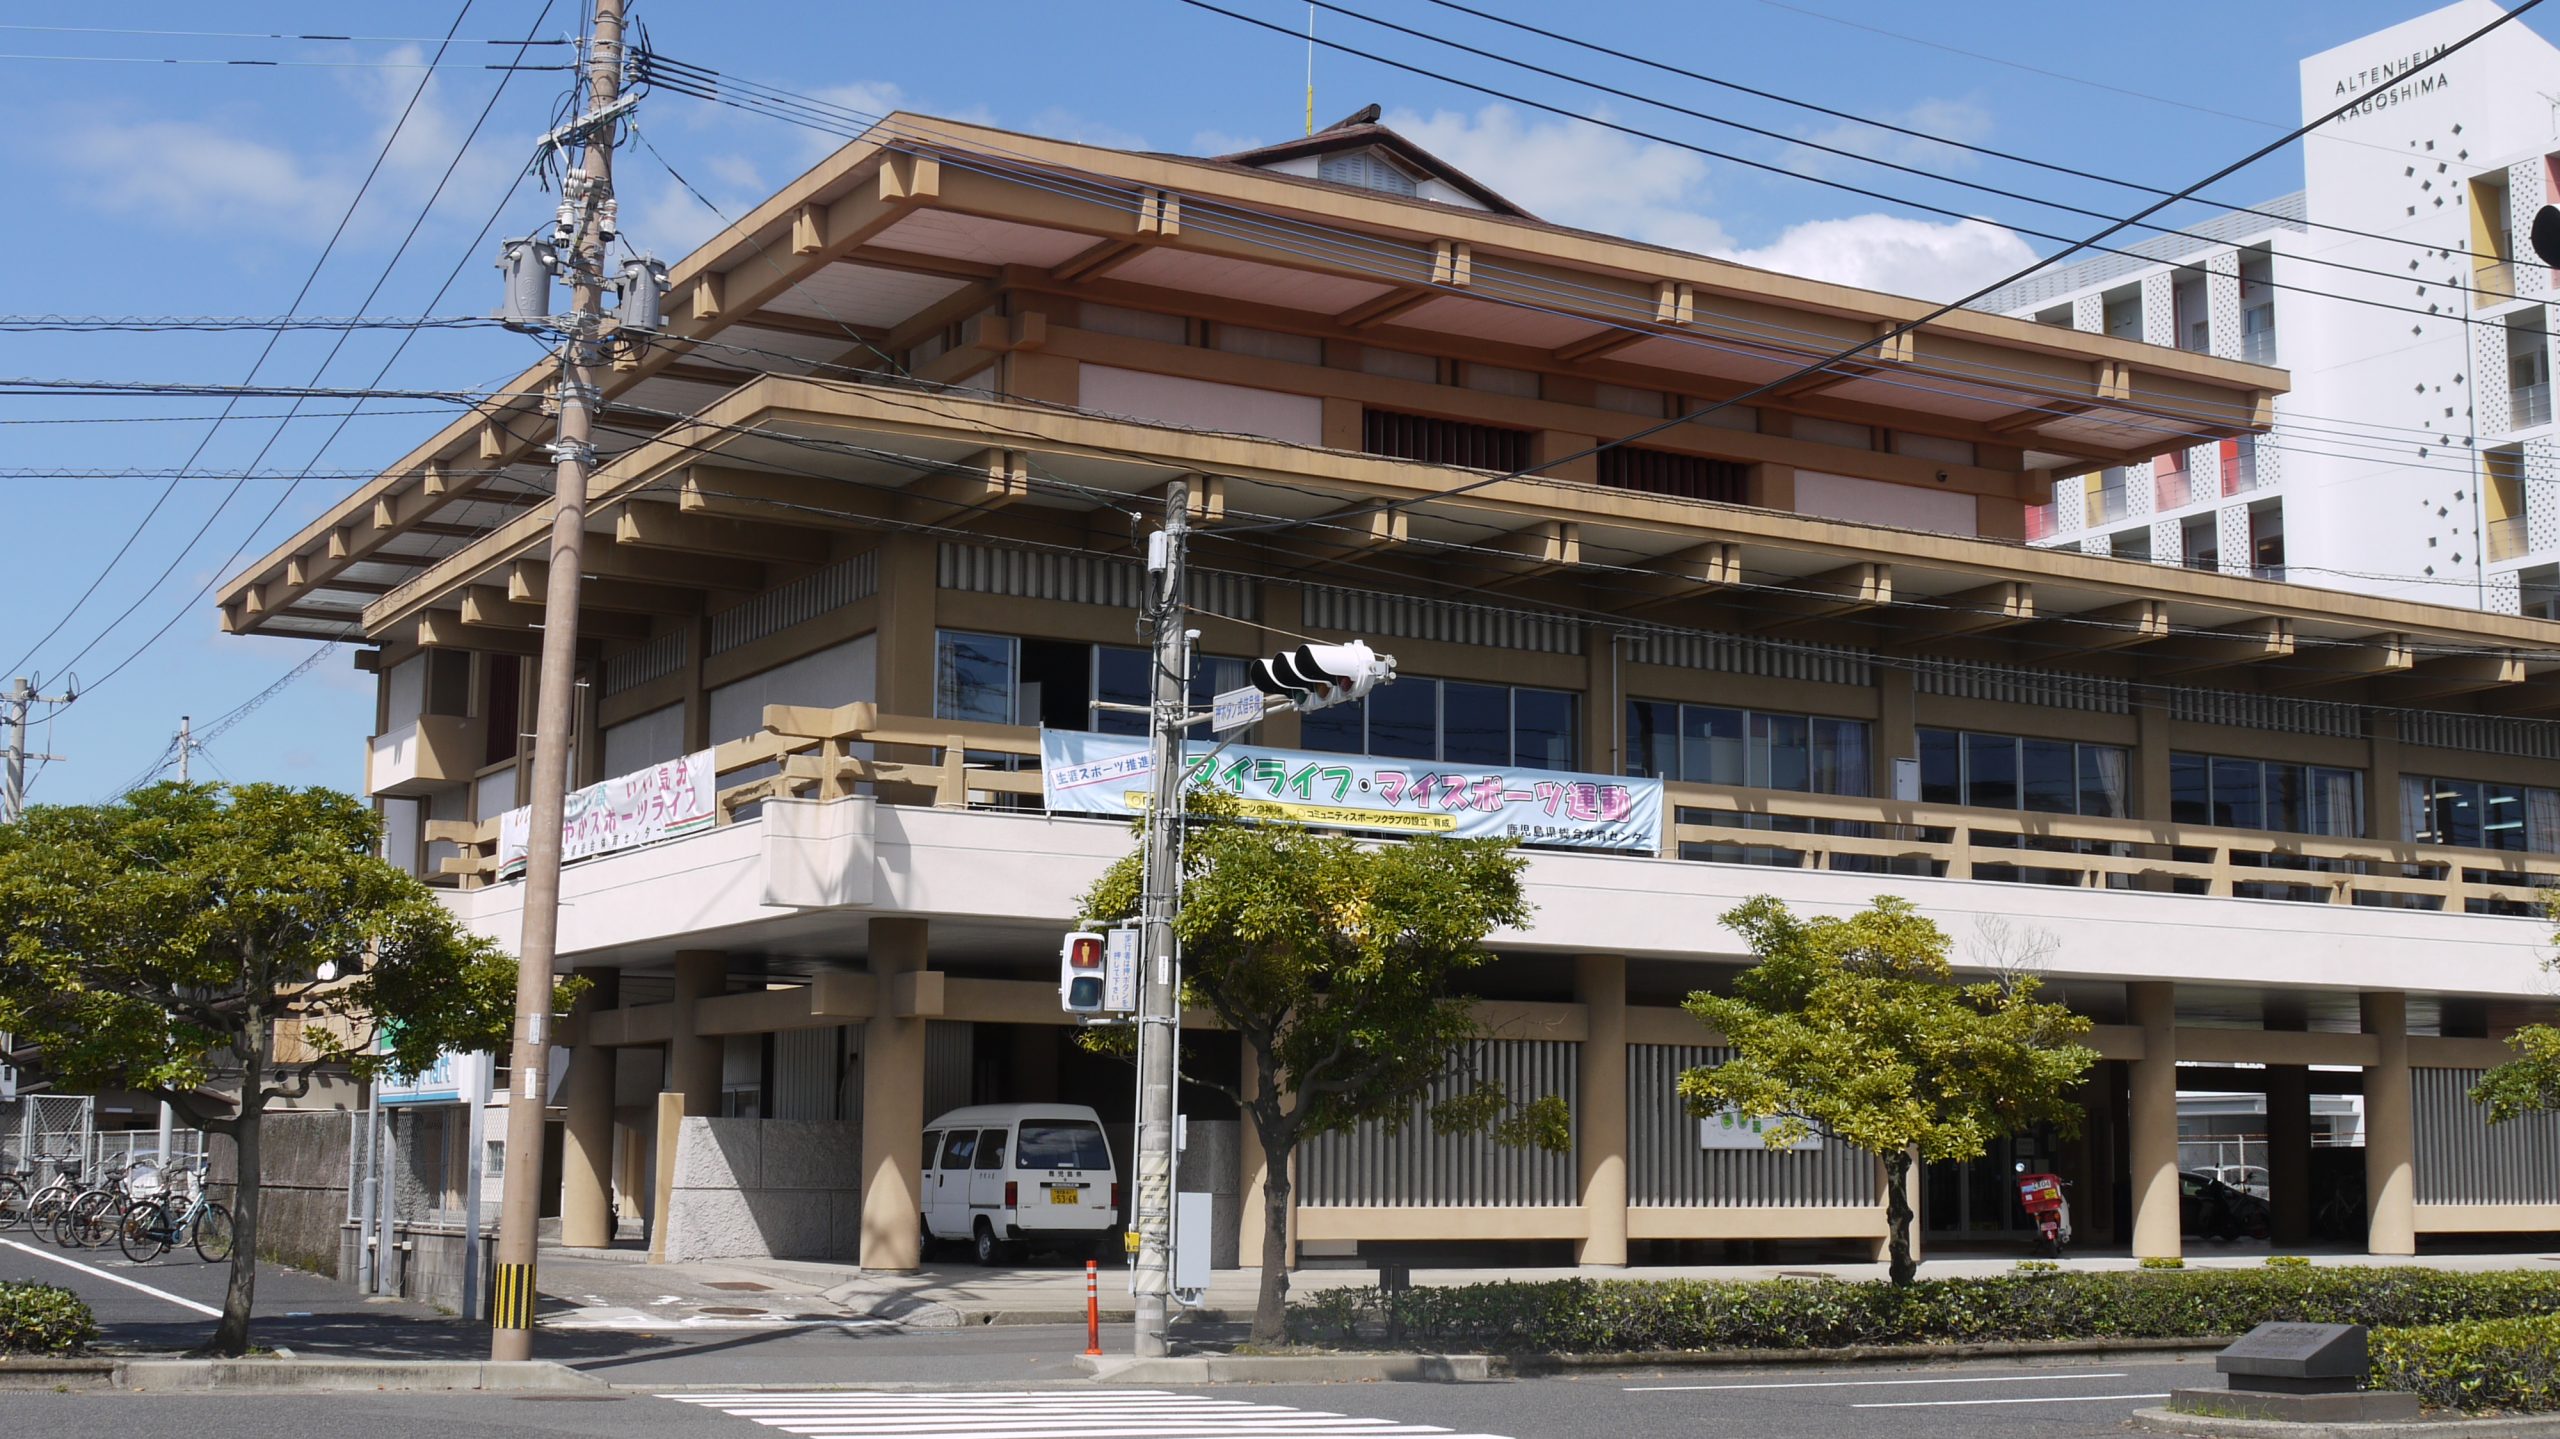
(166,941)
(1336,962)
(1855,1029)
(2530,1082)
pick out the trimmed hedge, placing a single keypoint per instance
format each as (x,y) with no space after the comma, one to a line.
(2511,1364)
(1582,1316)
(42,1318)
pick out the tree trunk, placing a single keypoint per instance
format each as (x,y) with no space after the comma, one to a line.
(231,1336)
(1271,1306)
(1898,1216)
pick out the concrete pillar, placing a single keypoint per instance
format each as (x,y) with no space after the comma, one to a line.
(662,1175)
(893,1105)
(2390,1141)
(586,1094)
(1600,984)
(2289,1154)
(1897,723)
(693,1059)
(2152,1005)
(1253,1174)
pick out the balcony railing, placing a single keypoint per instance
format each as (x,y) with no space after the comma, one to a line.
(955,765)
(2529,406)
(428,752)
(2171,489)
(2493,284)
(2507,539)
(2258,347)
(2106,503)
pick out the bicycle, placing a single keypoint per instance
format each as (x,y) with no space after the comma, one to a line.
(13,1198)
(150,1230)
(94,1217)
(48,1202)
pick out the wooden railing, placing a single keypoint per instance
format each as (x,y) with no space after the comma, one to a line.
(811,752)
(1900,837)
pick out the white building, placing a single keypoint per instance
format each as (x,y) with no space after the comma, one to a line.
(2413,456)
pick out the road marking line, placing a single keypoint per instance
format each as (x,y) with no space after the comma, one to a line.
(1862,1383)
(2052,1399)
(204,1309)
(1123,1414)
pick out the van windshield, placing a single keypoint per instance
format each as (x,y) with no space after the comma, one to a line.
(1061,1144)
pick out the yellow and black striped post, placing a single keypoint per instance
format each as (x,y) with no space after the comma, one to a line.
(511,1306)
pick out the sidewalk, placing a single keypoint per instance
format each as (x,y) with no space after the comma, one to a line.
(618,1289)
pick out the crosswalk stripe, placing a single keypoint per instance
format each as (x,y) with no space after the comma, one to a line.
(1047,1414)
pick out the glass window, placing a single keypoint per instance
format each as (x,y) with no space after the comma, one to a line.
(2051,777)
(2237,803)
(1781,752)
(973,677)
(1543,732)
(1119,677)
(2502,816)
(1841,764)
(1941,766)
(1991,771)
(932,1148)
(1653,739)
(1475,723)
(2102,781)
(2456,807)
(990,1149)
(2190,789)
(2285,798)
(1063,1144)
(1711,745)
(1404,720)
(1339,730)
(957,1146)
(2333,801)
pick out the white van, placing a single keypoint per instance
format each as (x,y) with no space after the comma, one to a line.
(1008,1176)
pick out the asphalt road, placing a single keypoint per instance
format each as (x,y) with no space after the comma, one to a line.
(1945,1402)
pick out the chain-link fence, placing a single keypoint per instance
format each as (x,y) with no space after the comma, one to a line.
(47,1135)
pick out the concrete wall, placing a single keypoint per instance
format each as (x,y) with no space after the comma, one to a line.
(303,1186)
(766,1189)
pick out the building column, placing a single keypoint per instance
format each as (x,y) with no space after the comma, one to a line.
(1897,732)
(2153,1120)
(1600,985)
(693,1059)
(586,1094)
(2389,1139)
(2288,1154)
(893,1105)
(1253,1173)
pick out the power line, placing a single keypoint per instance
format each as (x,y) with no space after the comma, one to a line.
(309,279)
(46,472)
(150,324)
(279,35)
(276,64)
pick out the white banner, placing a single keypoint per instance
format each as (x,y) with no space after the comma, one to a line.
(1111,774)
(625,812)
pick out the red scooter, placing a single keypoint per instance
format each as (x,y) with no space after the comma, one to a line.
(2042,1196)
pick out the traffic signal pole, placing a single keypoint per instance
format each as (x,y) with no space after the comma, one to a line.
(1159,1012)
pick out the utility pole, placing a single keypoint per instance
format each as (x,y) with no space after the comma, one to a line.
(186,749)
(1159,1008)
(586,209)
(22,698)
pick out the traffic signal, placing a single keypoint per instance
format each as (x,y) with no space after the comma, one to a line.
(1314,676)
(1080,973)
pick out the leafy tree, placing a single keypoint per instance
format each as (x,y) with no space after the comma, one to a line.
(1336,962)
(166,941)
(1855,1029)
(2530,1082)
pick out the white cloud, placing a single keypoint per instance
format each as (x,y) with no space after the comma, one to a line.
(1926,260)
(1576,174)
(1964,121)
(193,173)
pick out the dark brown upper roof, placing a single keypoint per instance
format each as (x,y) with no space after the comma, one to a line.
(1361,130)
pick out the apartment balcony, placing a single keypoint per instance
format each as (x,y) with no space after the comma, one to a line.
(2259,347)
(2493,285)
(2529,406)
(2508,540)
(967,767)
(427,753)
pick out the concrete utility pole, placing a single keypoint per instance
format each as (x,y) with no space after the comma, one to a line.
(1159,1008)
(186,749)
(590,191)
(22,697)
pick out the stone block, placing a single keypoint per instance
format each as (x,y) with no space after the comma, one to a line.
(718,1154)
(2369,1406)
(811,1154)
(793,1223)
(712,1224)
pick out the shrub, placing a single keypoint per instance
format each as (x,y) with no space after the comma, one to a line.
(2038,1266)
(2288,1261)
(2161,1261)
(2474,1365)
(1583,1316)
(42,1319)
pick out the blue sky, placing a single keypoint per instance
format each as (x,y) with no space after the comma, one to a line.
(196,190)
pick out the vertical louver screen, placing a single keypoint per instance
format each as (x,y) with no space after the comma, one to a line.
(1661,472)
(1443,442)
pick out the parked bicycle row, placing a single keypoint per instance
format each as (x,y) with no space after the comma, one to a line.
(144,1208)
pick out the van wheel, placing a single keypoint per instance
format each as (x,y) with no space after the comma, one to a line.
(988,1249)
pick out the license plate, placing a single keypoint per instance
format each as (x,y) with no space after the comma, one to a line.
(1066,1196)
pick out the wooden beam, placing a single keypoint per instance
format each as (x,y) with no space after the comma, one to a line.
(1097,260)
(1541,549)
(786,499)
(981,484)
(1593,347)
(527,582)
(1975,611)
(1206,499)
(1865,585)
(613,562)
(1347,535)
(2449,675)
(644,526)
(443,629)
(1687,574)
(489,607)
(2269,637)
(2318,666)
(1382,308)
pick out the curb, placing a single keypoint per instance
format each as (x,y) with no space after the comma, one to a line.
(197,1376)
(1292,1369)
(1865,1354)
(2204,1426)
